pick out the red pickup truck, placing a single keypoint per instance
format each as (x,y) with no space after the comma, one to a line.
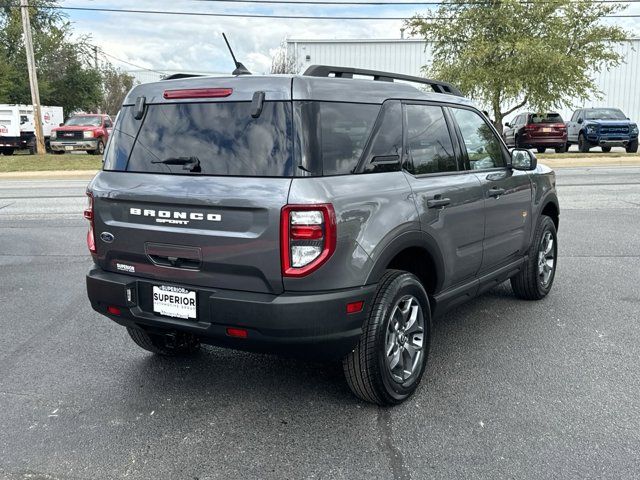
(85,132)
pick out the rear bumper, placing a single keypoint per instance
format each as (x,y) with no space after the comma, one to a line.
(79,145)
(550,142)
(308,324)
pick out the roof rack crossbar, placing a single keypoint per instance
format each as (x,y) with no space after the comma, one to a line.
(348,72)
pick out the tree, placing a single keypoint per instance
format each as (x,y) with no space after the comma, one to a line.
(116,85)
(284,61)
(65,75)
(508,54)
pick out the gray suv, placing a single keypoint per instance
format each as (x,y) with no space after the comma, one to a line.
(326,214)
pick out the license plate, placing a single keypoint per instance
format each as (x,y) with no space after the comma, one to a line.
(174,302)
(547,130)
(68,147)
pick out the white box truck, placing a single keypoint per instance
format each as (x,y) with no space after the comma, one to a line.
(17,127)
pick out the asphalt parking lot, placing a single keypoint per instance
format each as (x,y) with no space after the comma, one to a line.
(513,389)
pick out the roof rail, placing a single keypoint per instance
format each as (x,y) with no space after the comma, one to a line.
(348,72)
(176,76)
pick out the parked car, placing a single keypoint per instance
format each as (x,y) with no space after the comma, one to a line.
(536,130)
(602,127)
(17,127)
(85,132)
(318,214)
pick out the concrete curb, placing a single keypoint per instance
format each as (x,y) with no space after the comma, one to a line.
(590,162)
(50,175)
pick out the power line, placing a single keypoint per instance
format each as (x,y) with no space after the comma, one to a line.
(129,63)
(253,15)
(366,2)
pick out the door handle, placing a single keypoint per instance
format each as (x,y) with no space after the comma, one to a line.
(438,201)
(496,192)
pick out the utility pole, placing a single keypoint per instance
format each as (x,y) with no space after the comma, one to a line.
(33,76)
(95,63)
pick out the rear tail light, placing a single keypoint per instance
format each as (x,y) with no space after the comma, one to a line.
(88,214)
(307,238)
(198,93)
(531,127)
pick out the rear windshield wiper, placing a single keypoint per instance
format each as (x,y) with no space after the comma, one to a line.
(188,163)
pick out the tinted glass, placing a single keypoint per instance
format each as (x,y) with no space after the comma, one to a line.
(546,118)
(428,140)
(386,143)
(333,135)
(483,147)
(604,114)
(216,138)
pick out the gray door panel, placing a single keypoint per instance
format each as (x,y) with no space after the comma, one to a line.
(508,215)
(457,227)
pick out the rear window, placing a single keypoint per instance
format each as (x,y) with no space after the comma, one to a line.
(333,135)
(546,118)
(204,139)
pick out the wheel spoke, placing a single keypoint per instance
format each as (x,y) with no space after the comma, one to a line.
(549,247)
(395,359)
(412,322)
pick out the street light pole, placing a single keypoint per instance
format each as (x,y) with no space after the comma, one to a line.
(33,76)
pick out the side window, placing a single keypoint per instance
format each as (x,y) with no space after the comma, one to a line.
(386,143)
(428,140)
(107,123)
(345,128)
(483,146)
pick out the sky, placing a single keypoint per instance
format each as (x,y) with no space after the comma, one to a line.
(191,43)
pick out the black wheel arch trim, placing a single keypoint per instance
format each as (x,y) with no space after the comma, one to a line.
(413,238)
(551,198)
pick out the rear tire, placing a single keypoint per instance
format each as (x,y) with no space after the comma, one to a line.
(583,144)
(535,279)
(562,149)
(606,149)
(8,151)
(541,149)
(180,344)
(632,146)
(387,364)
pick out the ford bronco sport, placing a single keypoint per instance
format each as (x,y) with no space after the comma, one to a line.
(319,214)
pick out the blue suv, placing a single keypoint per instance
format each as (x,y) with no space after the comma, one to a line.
(602,127)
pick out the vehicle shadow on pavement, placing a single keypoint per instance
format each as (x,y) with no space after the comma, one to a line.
(221,375)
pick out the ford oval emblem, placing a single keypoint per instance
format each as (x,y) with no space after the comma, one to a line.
(107,237)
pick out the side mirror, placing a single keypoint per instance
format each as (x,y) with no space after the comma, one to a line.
(508,125)
(522,159)
(580,120)
(61,125)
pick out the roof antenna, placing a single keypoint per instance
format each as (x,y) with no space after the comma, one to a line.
(240,68)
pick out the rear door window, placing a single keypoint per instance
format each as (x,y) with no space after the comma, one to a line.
(428,140)
(204,139)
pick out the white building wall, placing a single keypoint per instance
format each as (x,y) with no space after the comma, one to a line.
(620,85)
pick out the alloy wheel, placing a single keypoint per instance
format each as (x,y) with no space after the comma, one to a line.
(404,341)
(546,258)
